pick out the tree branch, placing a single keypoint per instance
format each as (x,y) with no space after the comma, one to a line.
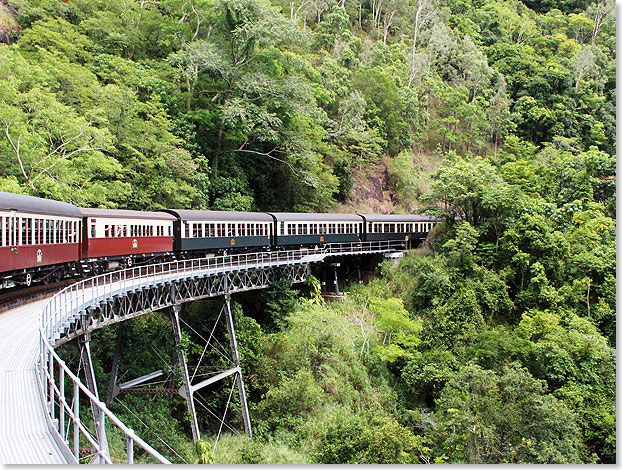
(269,155)
(16,150)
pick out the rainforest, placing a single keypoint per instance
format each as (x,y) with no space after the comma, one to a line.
(493,342)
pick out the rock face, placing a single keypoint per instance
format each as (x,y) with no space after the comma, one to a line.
(371,191)
(8,24)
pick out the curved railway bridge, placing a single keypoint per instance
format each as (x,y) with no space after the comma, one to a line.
(48,415)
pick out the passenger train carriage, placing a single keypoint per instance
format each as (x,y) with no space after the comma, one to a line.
(315,229)
(39,237)
(220,230)
(112,235)
(397,227)
(47,240)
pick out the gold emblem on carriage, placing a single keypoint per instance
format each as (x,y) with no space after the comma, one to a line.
(232,241)
(39,256)
(321,239)
(134,243)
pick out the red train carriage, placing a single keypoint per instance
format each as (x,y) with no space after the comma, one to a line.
(39,238)
(128,237)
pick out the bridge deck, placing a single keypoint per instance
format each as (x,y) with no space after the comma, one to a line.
(24,436)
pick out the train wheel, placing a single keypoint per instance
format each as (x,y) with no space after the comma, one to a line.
(28,279)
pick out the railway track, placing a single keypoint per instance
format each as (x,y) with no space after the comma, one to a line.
(16,296)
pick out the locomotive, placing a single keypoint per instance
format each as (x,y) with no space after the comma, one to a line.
(45,241)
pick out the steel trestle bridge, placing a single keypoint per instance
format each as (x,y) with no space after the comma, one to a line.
(76,311)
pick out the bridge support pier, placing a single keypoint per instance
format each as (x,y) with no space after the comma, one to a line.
(186,390)
(98,417)
(113,387)
(336,281)
(236,363)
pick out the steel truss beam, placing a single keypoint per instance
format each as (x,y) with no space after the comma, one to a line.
(160,296)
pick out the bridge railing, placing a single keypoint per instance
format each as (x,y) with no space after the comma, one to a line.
(74,299)
(69,416)
(77,298)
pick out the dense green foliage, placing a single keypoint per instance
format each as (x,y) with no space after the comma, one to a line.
(206,103)
(493,343)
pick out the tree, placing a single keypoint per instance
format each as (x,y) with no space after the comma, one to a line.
(487,417)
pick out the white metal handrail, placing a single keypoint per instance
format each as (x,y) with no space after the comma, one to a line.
(73,411)
(74,299)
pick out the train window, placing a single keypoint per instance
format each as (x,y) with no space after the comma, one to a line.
(25,231)
(302,229)
(242,230)
(212,230)
(195,230)
(201,230)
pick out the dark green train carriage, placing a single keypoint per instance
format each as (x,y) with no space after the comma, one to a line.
(201,231)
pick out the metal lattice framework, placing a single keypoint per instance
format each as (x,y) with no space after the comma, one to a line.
(93,303)
(158,296)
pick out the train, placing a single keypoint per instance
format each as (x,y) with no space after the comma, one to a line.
(44,241)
